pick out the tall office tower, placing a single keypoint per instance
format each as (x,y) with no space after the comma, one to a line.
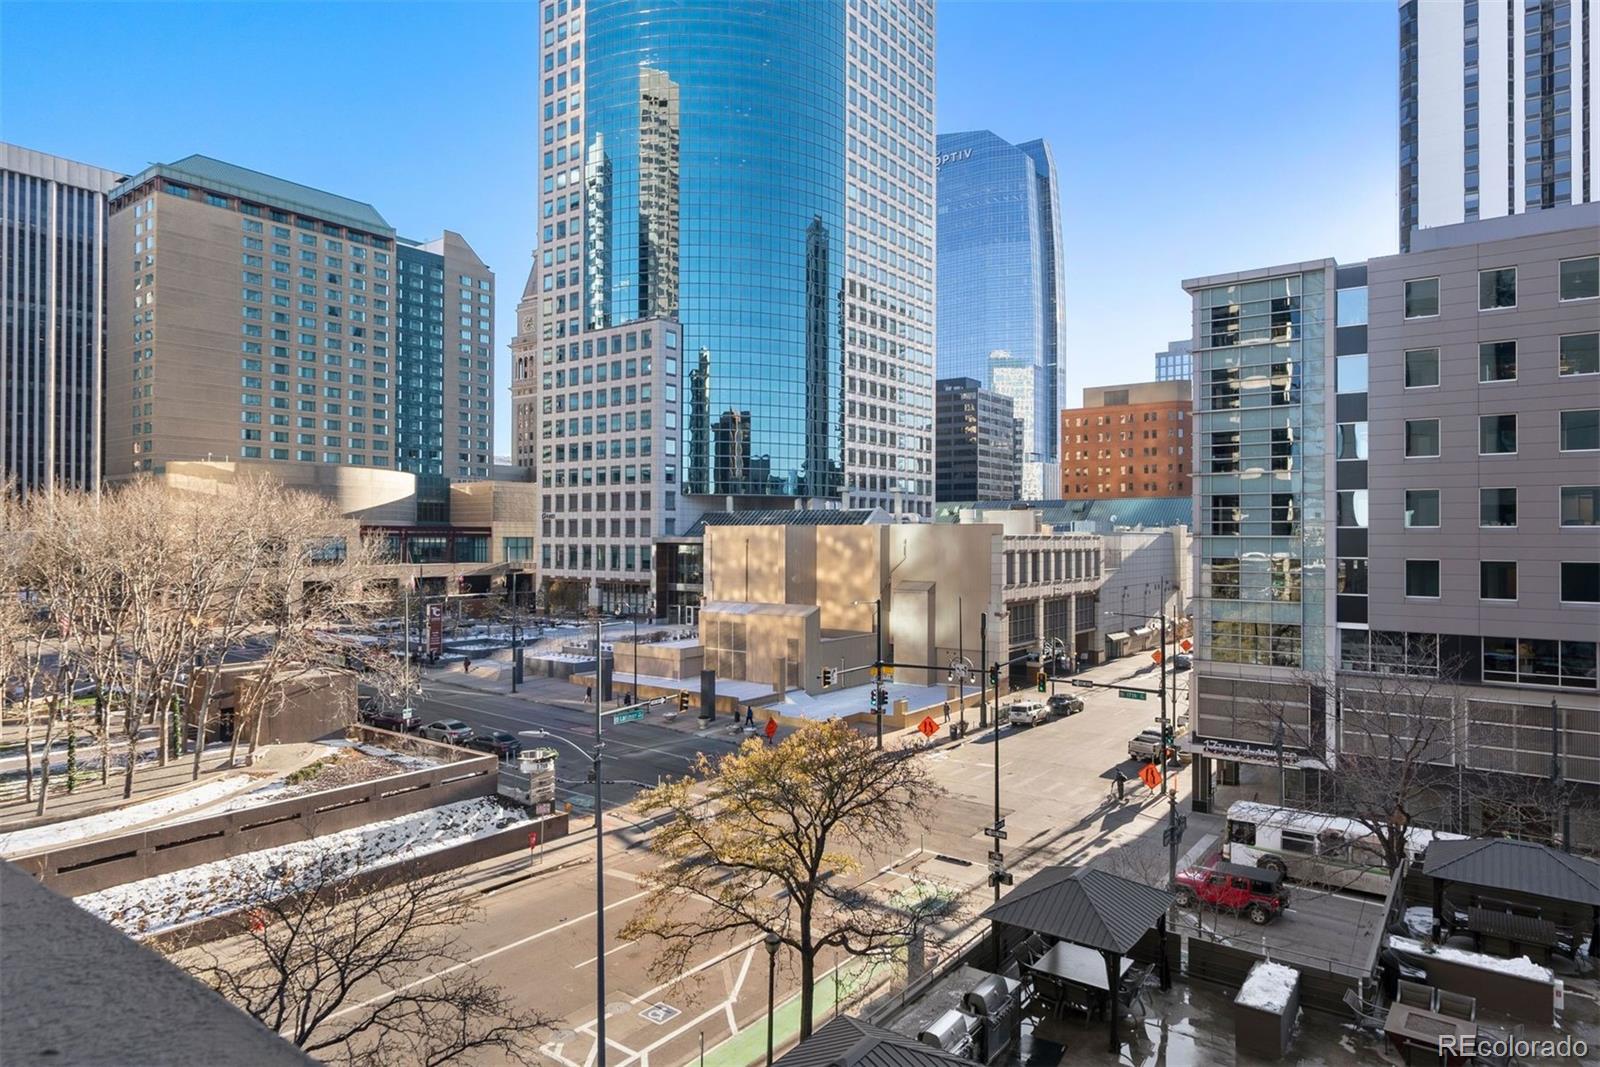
(978,443)
(1497,106)
(52,337)
(1000,286)
(524,376)
(444,367)
(1176,364)
(794,285)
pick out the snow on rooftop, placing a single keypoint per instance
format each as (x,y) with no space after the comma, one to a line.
(1269,987)
(99,824)
(180,897)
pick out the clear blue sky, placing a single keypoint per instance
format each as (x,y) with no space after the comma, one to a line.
(1192,138)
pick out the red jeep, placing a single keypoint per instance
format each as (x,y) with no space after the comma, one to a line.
(1255,892)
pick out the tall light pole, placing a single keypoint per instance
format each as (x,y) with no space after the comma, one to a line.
(772,943)
(878,697)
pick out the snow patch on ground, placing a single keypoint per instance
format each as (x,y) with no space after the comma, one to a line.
(186,896)
(1419,922)
(401,759)
(1268,987)
(64,833)
(1522,966)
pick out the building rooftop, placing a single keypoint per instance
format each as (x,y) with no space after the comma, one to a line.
(77,991)
(272,191)
(1105,514)
(790,517)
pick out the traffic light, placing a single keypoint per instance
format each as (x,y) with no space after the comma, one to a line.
(827,677)
(994,676)
(1041,683)
(683,703)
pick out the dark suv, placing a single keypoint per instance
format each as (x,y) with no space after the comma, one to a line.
(392,719)
(1064,704)
(501,743)
(1254,892)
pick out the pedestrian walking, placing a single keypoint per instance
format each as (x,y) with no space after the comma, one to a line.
(1122,784)
(588,692)
(749,716)
(947,713)
(466,664)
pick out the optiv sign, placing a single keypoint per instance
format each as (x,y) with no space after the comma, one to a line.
(953,157)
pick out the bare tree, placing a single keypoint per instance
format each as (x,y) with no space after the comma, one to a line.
(334,967)
(765,840)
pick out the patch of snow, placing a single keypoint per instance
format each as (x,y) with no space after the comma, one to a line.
(1419,922)
(160,903)
(1522,966)
(400,759)
(1268,987)
(64,833)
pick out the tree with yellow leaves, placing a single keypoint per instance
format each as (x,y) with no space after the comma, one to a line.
(766,840)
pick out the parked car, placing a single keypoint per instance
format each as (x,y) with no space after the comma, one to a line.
(1254,892)
(450,731)
(1145,746)
(501,743)
(400,720)
(1064,704)
(1181,662)
(1028,713)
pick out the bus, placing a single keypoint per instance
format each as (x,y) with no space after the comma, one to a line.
(1311,847)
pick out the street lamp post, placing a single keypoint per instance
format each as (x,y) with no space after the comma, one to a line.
(878,700)
(772,942)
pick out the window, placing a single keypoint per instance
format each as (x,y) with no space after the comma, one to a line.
(1352,508)
(1422,438)
(1497,507)
(1497,435)
(1422,578)
(1422,508)
(1580,430)
(1580,354)
(1497,288)
(1295,841)
(1580,278)
(1497,361)
(1422,368)
(1580,505)
(1352,440)
(1350,375)
(518,549)
(1352,576)
(1580,583)
(1497,580)
(1422,298)
(1569,664)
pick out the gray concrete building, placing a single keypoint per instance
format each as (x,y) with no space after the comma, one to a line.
(977,443)
(1402,493)
(53,329)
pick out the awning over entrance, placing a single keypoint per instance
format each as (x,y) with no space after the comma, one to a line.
(1118,636)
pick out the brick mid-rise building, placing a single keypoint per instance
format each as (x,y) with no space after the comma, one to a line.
(1127,441)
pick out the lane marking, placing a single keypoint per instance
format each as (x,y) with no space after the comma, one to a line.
(591,959)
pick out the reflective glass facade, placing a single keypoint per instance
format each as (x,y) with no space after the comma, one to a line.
(712,175)
(1261,351)
(419,360)
(1000,301)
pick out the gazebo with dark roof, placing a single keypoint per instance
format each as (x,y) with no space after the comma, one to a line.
(1092,908)
(848,1042)
(1516,869)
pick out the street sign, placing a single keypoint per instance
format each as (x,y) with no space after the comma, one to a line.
(1186,645)
(628,716)
(927,727)
(1150,776)
(996,857)
(1130,694)
(435,627)
(888,673)
(999,824)
(989,831)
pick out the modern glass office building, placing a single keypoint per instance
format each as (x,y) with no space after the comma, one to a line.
(753,185)
(1000,300)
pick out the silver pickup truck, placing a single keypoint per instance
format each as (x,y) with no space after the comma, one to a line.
(1146,746)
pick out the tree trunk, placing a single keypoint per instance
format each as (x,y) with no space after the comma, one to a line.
(163,730)
(808,977)
(27,744)
(44,769)
(102,720)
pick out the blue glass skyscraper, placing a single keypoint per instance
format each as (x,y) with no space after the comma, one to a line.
(1000,285)
(736,208)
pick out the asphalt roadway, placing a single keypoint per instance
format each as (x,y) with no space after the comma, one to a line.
(637,754)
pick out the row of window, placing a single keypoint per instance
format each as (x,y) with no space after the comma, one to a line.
(1497,580)
(1579,431)
(1497,507)
(1497,287)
